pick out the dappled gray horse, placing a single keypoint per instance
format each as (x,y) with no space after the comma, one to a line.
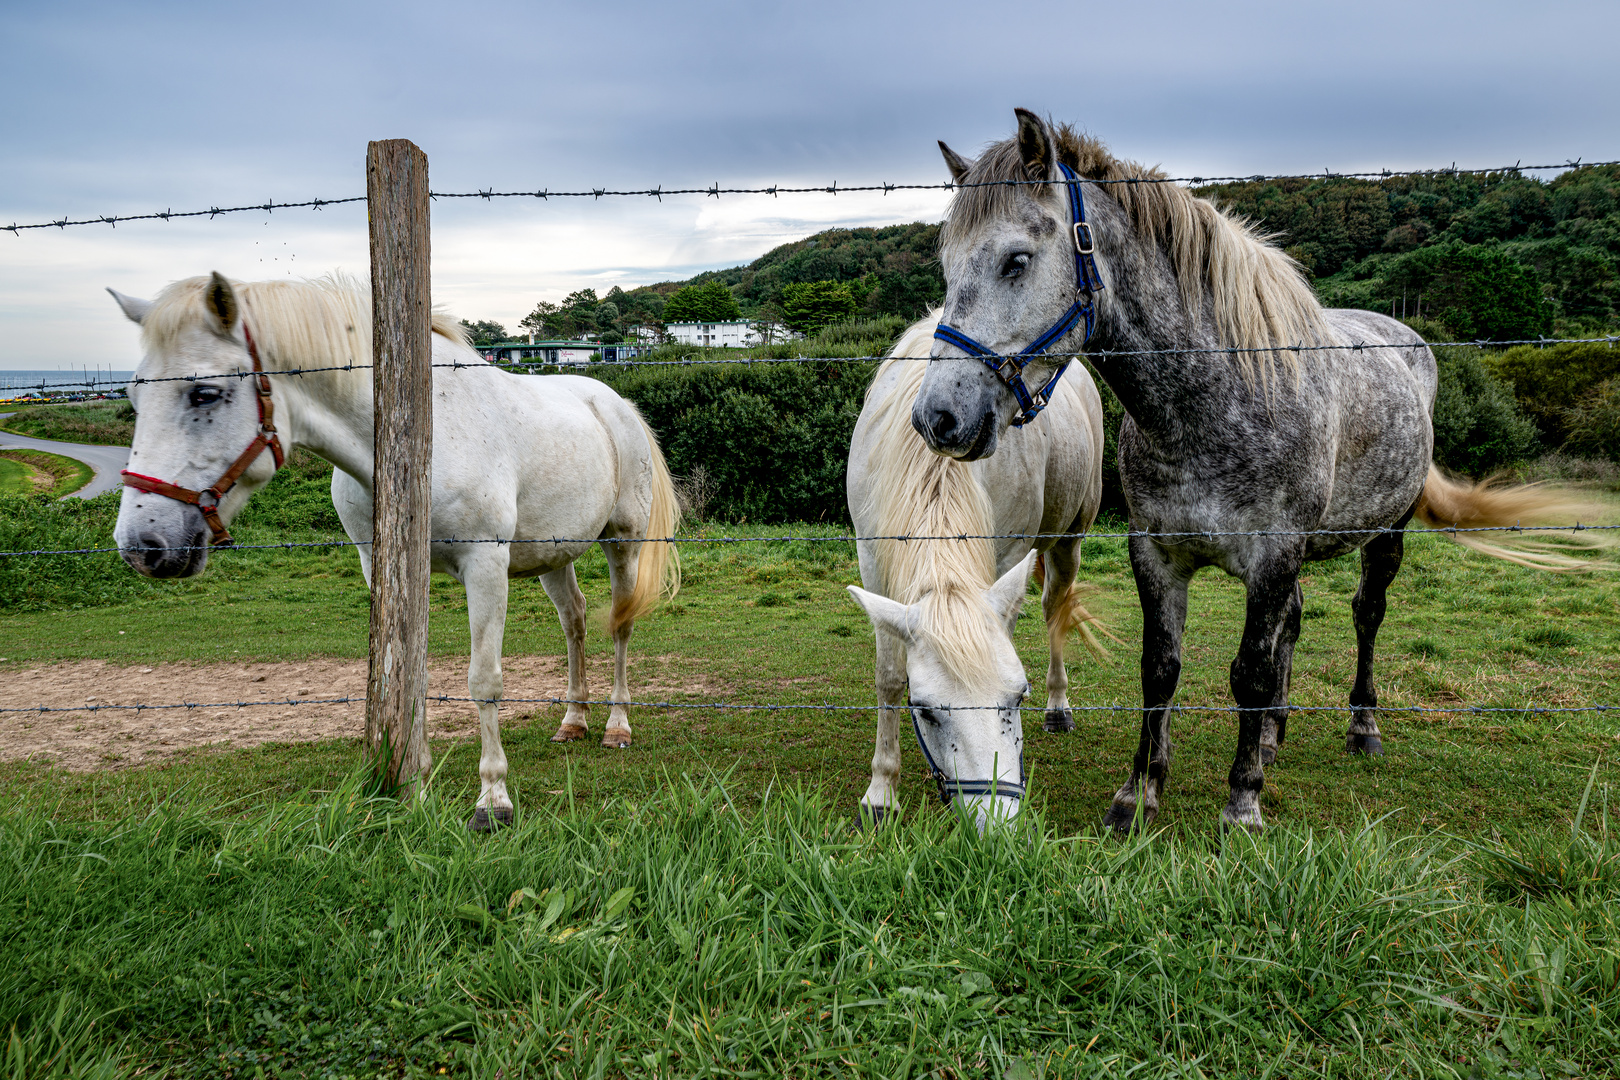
(1250,461)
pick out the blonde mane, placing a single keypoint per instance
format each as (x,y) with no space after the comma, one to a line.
(1260,298)
(325,322)
(915,492)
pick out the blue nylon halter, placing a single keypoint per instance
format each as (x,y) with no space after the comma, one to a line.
(1087,283)
(967,788)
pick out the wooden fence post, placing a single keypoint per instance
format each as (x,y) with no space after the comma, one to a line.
(401,349)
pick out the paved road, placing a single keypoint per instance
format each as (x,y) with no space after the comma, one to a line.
(107,461)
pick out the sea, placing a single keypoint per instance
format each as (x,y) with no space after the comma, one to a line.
(63,380)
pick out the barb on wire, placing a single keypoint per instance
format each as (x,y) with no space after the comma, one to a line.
(1100,356)
(733,706)
(1206,534)
(774,190)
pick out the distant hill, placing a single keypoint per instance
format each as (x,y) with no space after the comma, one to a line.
(901,262)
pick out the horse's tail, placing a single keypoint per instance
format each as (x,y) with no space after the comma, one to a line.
(658,567)
(1453,504)
(1070,614)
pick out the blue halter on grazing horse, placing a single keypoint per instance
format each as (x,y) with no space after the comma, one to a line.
(1087,283)
(967,788)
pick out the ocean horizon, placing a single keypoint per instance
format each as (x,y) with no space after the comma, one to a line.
(65,378)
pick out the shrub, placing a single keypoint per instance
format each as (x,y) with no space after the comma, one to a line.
(104,424)
(1478,427)
(1550,382)
(1593,422)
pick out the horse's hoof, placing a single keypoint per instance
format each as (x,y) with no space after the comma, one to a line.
(1370,745)
(486,820)
(870,817)
(616,739)
(1249,821)
(570,733)
(1059,721)
(1268,754)
(1122,818)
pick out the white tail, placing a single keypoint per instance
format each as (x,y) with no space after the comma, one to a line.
(1461,504)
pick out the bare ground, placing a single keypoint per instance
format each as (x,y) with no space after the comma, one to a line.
(118,738)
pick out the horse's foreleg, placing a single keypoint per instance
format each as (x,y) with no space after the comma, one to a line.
(1380,561)
(1055,606)
(1259,676)
(1162,588)
(563,588)
(1274,727)
(623,561)
(486,584)
(883,794)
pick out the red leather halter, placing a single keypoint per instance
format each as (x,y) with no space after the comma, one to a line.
(265,438)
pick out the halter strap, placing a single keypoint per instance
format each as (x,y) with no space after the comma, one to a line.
(966,788)
(266,437)
(1087,283)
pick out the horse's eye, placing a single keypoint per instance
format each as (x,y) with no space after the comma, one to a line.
(202,396)
(1015,265)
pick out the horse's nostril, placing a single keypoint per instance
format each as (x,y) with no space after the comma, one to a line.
(943,425)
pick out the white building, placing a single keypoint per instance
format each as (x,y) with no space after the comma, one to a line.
(727,334)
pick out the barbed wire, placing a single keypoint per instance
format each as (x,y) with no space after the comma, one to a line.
(715,191)
(780,707)
(1208,534)
(1098,355)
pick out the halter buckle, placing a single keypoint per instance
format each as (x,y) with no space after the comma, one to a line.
(1086,246)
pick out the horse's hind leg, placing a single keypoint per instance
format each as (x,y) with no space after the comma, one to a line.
(563,588)
(1274,728)
(623,561)
(1380,561)
(1060,566)
(1162,588)
(1260,677)
(486,584)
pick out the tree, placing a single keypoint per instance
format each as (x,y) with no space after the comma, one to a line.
(484,332)
(1478,290)
(810,305)
(709,302)
(539,321)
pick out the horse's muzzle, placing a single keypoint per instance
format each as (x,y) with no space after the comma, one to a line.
(947,434)
(153,556)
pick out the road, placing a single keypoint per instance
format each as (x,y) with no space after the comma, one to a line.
(107,461)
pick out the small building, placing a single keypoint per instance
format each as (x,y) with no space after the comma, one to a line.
(574,353)
(724,334)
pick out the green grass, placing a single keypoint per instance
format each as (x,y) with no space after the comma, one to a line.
(67,474)
(105,423)
(771,623)
(15,478)
(669,931)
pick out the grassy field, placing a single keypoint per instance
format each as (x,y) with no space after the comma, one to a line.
(31,472)
(701,905)
(105,423)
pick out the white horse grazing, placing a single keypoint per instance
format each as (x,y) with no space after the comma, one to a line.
(519,458)
(944,610)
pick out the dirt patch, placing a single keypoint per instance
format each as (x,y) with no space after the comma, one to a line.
(117,738)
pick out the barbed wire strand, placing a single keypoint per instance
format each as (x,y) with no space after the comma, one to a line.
(780,707)
(715,191)
(1096,355)
(1209,534)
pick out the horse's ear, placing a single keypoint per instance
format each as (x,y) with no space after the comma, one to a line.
(1007,594)
(134,310)
(955,162)
(886,614)
(221,301)
(1036,147)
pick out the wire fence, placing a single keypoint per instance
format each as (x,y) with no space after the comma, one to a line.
(715,191)
(444,699)
(841,538)
(1100,356)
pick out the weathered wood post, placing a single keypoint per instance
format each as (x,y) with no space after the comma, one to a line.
(401,312)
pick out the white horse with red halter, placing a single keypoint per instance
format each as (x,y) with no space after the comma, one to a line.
(523,459)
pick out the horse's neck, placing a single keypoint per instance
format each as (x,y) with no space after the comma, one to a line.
(330,414)
(1143,312)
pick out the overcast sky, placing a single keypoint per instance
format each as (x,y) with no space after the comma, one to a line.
(128,108)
